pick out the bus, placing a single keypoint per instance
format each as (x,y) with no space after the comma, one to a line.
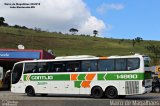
(112,77)
(1,77)
(5,79)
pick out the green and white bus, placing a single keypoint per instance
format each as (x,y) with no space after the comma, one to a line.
(114,76)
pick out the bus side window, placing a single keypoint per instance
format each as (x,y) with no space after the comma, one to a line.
(35,69)
(76,69)
(73,66)
(85,66)
(58,67)
(133,63)
(106,65)
(42,67)
(88,66)
(121,64)
(30,68)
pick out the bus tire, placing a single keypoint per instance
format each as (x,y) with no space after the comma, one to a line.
(30,91)
(97,92)
(111,92)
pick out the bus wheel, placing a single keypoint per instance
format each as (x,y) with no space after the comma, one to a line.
(156,89)
(111,93)
(97,92)
(30,91)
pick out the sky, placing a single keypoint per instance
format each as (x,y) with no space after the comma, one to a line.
(122,19)
(128,18)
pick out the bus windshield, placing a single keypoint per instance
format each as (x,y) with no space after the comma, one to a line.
(16,73)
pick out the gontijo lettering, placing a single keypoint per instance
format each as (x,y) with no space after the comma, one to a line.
(41,77)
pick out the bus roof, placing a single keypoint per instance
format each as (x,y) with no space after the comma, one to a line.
(81,57)
(75,57)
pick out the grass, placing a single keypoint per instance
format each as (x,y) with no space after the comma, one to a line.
(67,44)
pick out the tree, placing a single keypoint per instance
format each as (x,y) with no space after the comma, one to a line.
(138,39)
(37,29)
(2,21)
(95,32)
(5,24)
(24,27)
(133,42)
(17,26)
(73,31)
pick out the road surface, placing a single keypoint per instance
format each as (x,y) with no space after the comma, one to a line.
(10,99)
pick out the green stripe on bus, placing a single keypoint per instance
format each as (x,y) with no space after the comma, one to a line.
(100,76)
(48,77)
(77,84)
(24,78)
(81,76)
(61,77)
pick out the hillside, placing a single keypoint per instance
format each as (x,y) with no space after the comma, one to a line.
(69,44)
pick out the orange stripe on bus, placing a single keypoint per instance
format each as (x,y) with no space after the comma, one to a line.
(85,84)
(28,77)
(74,76)
(90,76)
(102,58)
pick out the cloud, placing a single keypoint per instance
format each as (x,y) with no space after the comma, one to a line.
(53,15)
(93,24)
(104,7)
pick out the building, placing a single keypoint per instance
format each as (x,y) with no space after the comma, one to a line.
(10,56)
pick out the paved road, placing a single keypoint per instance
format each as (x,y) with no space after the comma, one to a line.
(10,99)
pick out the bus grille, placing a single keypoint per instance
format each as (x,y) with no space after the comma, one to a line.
(132,87)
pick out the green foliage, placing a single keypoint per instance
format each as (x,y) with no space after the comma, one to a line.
(68,44)
(1,21)
(133,42)
(155,50)
(73,31)
(138,39)
(95,32)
